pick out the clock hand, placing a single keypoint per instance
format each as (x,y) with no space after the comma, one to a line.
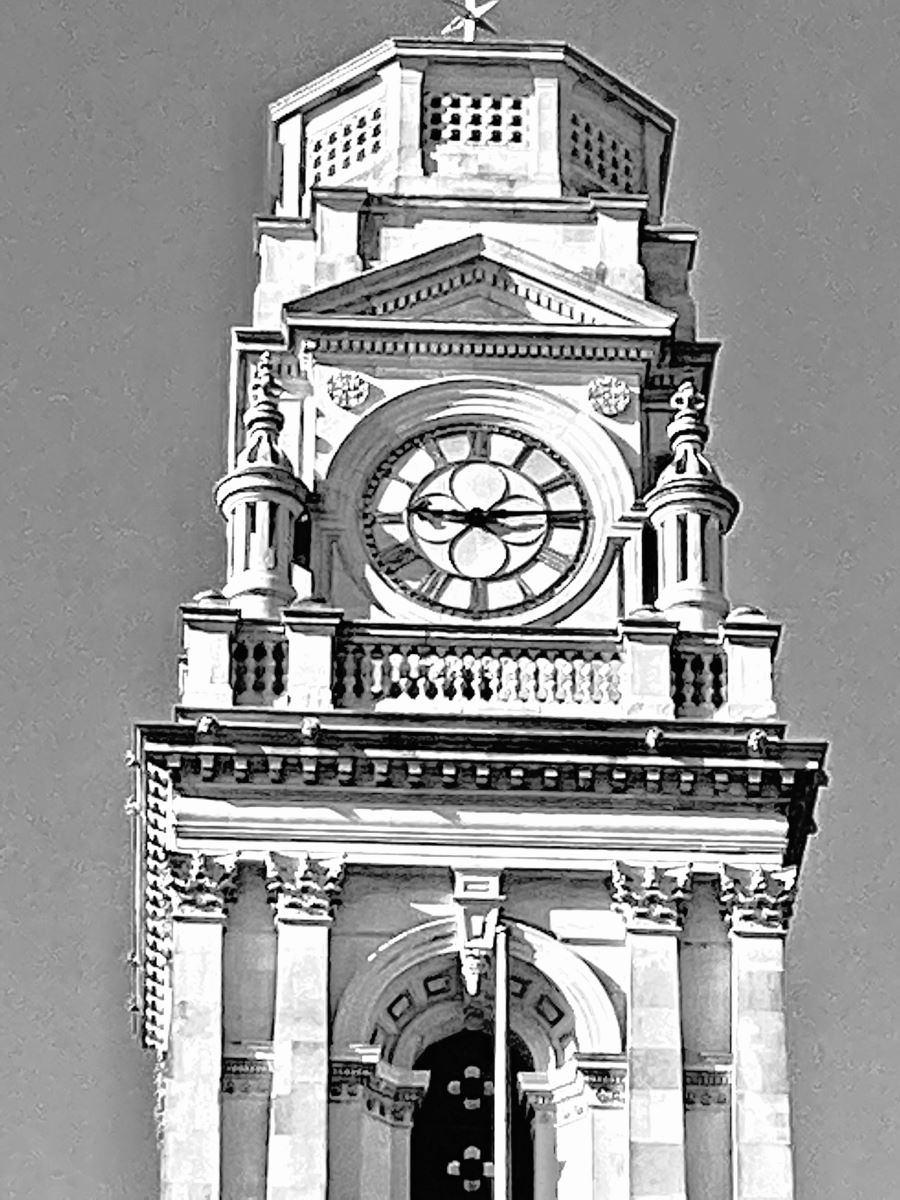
(545,514)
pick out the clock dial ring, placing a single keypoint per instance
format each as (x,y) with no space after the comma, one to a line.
(476,520)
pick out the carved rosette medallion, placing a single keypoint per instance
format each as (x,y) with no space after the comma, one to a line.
(757,899)
(201,885)
(610,395)
(303,888)
(651,897)
(347,389)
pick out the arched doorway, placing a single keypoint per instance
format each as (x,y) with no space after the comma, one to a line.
(452,1138)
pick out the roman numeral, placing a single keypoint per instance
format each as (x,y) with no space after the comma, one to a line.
(559,481)
(553,558)
(390,518)
(522,458)
(481,442)
(479,600)
(431,447)
(434,585)
(396,557)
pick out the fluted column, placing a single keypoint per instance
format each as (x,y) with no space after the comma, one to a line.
(303,892)
(652,901)
(200,887)
(757,905)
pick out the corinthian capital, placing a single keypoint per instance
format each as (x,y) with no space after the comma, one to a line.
(200,885)
(757,899)
(303,888)
(651,897)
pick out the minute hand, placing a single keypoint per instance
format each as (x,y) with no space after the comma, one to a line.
(552,515)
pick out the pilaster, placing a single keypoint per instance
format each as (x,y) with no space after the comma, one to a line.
(757,905)
(652,901)
(605,1091)
(304,892)
(200,887)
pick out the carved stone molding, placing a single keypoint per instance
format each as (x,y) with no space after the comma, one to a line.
(303,888)
(157,932)
(201,885)
(649,897)
(707,1088)
(388,1098)
(246,1076)
(757,899)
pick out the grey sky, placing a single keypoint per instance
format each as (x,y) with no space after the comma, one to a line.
(131,155)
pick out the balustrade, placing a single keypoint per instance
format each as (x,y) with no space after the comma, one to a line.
(376,667)
(258,666)
(698,680)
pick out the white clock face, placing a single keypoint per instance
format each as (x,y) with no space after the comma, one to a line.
(476,520)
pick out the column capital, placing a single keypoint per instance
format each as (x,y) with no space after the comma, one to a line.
(303,888)
(201,886)
(757,900)
(651,899)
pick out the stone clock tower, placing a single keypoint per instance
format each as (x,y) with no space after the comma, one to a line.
(464,866)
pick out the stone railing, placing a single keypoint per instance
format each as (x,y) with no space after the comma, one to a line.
(385,667)
(315,661)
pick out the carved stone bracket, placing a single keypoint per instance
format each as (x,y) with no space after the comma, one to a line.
(651,897)
(303,888)
(478,899)
(757,899)
(605,1081)
(707,1088)
(201,885)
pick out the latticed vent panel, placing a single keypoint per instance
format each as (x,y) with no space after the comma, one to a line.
(605,155)
(469,120)
(345,147)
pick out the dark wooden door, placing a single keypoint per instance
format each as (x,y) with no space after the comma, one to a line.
(452,1140)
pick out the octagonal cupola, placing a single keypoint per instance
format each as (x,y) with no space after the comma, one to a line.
(442,118)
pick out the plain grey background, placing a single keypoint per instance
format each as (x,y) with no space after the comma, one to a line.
(130,165)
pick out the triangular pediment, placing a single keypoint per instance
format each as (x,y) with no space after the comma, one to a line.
(480,279)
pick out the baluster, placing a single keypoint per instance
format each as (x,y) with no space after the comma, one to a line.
(613,674)
(454,684)
(414,660)
(527,677)
(565,679)
(490,676)
(279,666)
(395,664)
(546,677)
(470,676)
(717,684)
(509,678)
(376,681)
(434,675)
(260,668)
(583,690)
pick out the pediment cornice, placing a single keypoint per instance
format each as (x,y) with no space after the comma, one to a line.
(481,280)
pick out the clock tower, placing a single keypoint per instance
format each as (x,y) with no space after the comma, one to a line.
(465,864)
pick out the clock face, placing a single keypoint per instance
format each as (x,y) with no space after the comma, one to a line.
(476,520)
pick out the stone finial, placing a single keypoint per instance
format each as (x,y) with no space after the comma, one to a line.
(200,885)
(688,434)
(263,418)
(651,897)
(757,899)
(303,888)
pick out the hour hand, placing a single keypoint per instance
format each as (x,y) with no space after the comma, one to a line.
(424,508)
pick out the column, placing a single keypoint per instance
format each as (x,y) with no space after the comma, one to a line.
(652,900)
(200,886)
(537,1093)
(757,905)
(303,892)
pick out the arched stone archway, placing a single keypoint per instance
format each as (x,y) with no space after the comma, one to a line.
(407,998)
